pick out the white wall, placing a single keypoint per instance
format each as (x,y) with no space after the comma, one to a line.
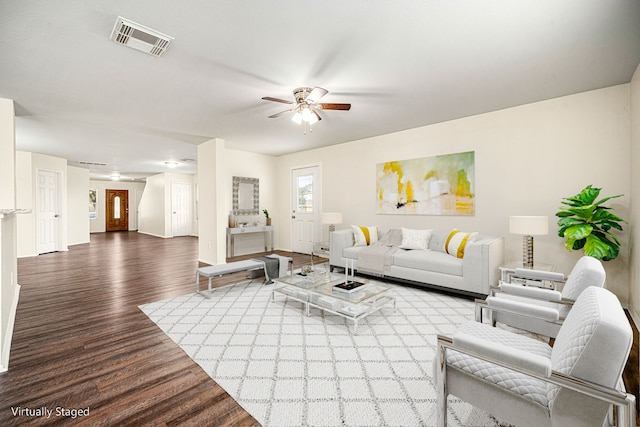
(25,199)
(634,216)
(99,224)
(78,205)
(252,165)
(211,207)
(527,159)
(217,165)
(9,288)
(151,215)
(155,210)
(7,155)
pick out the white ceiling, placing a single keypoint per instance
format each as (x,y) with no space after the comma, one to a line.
(401,64)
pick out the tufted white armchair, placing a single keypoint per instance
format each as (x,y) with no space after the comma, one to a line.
(538,310)
(526,382)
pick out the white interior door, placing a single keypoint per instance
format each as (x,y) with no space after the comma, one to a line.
(180,209)
(305,212)
(47,211)
(134,218)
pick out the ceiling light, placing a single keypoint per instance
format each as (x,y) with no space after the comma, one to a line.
(313,118)
(305,114)
(297,118)
(171,164)
(115,176)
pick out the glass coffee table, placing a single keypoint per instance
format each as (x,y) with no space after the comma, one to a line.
(318,290)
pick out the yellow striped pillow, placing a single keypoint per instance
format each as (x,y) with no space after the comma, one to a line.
(364,236)
(457,241)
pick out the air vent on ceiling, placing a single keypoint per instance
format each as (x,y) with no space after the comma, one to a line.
(83,162)
(139,37)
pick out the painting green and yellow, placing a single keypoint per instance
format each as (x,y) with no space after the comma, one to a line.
(438,185)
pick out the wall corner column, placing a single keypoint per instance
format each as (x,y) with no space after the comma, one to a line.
(212,173)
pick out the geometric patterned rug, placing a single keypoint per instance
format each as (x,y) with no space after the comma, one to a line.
(287,369)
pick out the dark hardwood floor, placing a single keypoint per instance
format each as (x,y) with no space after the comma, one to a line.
(80,340)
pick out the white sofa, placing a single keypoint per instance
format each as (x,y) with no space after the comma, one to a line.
(472,275)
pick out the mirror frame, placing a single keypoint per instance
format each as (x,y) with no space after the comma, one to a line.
(237,180)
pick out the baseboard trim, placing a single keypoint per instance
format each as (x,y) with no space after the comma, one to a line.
(154,235)
(6,345)
(634,316)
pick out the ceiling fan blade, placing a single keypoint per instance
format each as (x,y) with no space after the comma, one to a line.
(273,116)
(344,107)
(284,101)
(315,95)
(316,114)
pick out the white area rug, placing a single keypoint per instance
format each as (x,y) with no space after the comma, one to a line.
(287,369)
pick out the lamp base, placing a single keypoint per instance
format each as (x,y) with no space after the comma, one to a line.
(527,251)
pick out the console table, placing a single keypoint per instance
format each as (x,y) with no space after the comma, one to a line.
(266,230)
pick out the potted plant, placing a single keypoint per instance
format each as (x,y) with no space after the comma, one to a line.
(586,224)
(266,215)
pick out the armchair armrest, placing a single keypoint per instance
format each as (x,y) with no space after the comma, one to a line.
(514,357)
(624,401)
(524,309)
(539,275)
(531,292)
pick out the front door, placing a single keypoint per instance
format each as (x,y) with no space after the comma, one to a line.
(305,202)
(47,211)
(117,209)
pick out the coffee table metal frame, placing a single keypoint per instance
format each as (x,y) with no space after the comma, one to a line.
(316,290)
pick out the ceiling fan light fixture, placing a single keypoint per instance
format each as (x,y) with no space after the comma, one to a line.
(297,118)
(306,114)
(313,118)
(306,106)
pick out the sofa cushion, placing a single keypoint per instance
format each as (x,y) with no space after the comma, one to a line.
(438,262)
(415,239)
(457,241)
(364,236)
(436,242)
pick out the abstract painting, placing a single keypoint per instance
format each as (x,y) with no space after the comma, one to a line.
(438,185)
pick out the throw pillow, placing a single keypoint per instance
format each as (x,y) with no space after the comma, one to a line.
(457,241)
(415,239)
(364,236)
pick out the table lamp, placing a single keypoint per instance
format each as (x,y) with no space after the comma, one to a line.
(528,226)
(331,218)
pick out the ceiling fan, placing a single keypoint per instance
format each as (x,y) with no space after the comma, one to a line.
(306,105)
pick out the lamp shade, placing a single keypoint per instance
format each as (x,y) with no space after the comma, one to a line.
(331,217)
(529,225)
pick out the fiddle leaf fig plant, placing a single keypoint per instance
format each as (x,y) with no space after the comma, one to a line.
(586,224)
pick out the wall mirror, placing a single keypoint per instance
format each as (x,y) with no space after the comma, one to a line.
(246,196)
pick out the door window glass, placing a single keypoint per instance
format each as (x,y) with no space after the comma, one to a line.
(116,207)
(305,193)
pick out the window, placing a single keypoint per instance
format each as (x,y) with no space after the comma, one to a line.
(93,198)
(305,193)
